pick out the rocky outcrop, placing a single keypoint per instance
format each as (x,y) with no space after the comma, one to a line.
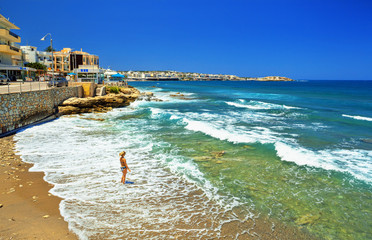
(180,96)
(100,103)
(148,96)
(271,78)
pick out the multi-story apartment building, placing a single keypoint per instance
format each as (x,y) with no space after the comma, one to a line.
(11,63)
(10,53)
(67,60)
(62,60)
(45,58)
(31,55)
(78,58)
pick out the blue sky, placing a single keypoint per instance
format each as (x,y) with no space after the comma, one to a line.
(300,39)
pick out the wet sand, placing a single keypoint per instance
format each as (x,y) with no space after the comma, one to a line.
(28,210)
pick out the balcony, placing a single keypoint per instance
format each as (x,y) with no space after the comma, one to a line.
(14,48)
(10,50)
(10,36)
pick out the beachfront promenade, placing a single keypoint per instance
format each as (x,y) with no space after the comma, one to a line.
(16,87)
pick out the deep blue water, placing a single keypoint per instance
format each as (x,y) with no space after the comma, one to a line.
(335,105)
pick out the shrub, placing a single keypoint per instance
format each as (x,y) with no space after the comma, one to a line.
(113,89)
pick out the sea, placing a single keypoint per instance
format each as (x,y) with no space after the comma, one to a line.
(215,160)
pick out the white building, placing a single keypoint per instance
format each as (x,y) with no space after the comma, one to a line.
(89,73)
(31,55)
(108,73)
(45,58)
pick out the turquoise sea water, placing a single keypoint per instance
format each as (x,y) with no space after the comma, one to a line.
(298,152)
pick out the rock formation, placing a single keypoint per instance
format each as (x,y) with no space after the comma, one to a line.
(100,103)
(180,96)
(148,96)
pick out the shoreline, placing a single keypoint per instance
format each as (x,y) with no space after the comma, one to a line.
(28,210)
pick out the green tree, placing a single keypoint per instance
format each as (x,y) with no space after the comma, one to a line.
(49,49)
(36,66)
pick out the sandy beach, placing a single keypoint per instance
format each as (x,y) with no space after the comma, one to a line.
(27,209)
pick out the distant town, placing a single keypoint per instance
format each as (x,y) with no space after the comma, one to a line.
(189,76)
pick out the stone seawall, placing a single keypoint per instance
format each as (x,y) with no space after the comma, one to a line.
(21,109)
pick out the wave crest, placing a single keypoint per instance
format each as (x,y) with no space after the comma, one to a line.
(258,105)
(358,117)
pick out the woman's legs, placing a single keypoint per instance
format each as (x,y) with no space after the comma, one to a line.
(124,176)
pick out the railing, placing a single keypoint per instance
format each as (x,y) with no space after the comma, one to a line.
(87,80)
(14,48)
(10,46)
(13,34)
(15,45)
(23,86)
(118,84)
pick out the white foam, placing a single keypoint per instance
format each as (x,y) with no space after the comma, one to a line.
(81,161)
(245,106)
(258,105)
(167,97)
(230,133)
(224,127)
(356,162)
(358,117)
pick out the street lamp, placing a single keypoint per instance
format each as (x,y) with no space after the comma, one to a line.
(51,46)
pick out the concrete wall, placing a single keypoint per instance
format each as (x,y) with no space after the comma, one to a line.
(88,88)
(21,109)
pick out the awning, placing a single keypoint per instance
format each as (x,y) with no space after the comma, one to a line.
(118,75)
(71,74)
(16,68)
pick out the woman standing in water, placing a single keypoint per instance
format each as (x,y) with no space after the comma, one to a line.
(124,167)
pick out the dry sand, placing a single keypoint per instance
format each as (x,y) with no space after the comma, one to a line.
(27,209)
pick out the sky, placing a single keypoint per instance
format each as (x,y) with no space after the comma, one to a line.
(299,39)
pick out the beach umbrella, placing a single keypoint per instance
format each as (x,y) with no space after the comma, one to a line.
(118,75)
